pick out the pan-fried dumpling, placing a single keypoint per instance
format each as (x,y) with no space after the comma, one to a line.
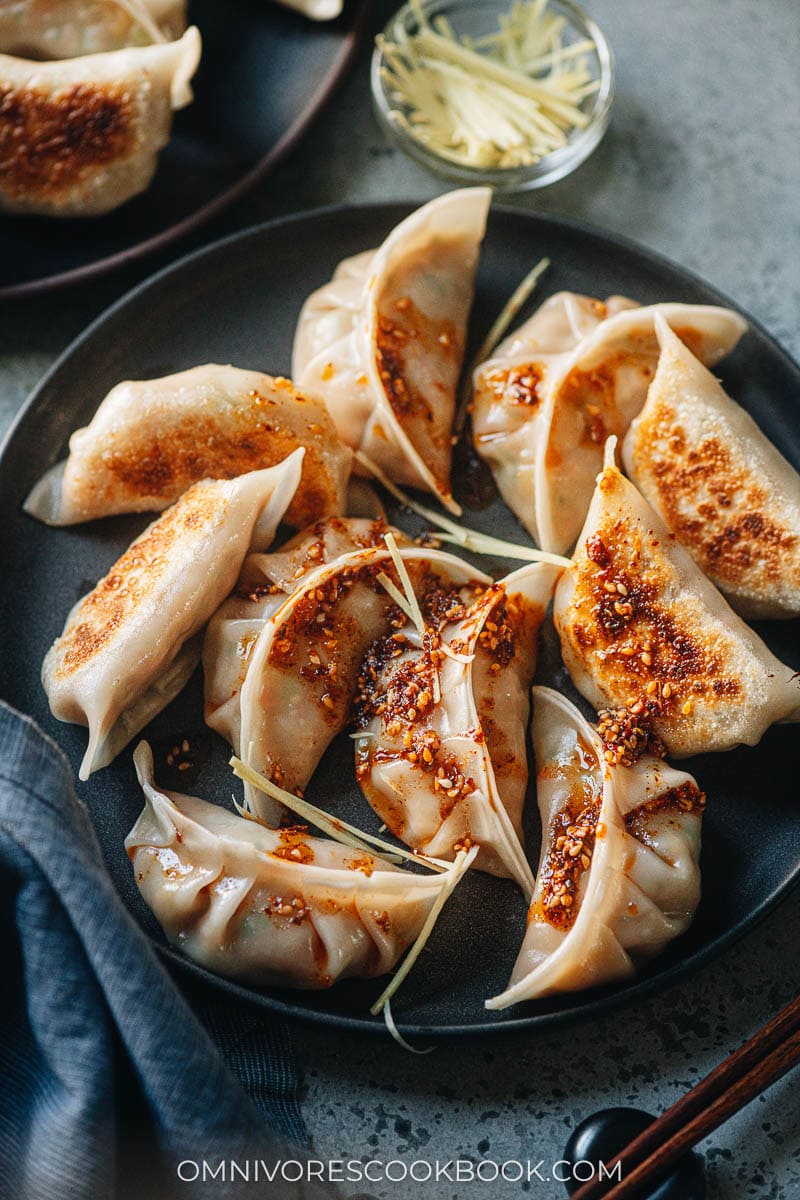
(270,907)
(541,416)
(720,485)
(265,582)
(302,676)
(441,753)
(150,440)
(646,635)
(50,29)
(619,874)
(559,323)
(129,646)
(383,341)
(80,137)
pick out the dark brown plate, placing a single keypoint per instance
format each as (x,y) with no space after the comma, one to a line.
(238,301)
(264,75)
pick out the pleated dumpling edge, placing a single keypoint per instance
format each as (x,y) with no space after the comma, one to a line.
(383,341)
(619,874)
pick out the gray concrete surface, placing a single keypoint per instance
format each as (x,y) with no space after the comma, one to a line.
(702,163)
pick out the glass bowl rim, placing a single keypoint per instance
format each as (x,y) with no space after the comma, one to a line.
(552,166)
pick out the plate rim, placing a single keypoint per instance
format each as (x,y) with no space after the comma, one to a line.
(596,1006)
(291,137)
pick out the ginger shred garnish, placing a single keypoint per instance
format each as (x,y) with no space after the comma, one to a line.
(461,864)
(460,535)
(501,101)
(338,830)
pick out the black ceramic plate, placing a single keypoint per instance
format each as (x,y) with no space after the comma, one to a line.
(237,302)
(265,73)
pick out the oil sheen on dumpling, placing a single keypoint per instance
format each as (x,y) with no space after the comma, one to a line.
(264,584)
(441,752)
(720,485)
(645,634)
(575,374)
(152,439)
(303,671)
(619,874)
(130,645)
(80,137)
(50,29)
(270,907)
(383,341)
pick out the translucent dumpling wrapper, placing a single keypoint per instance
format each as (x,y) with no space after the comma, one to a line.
(545,403)
(441,749)
(51,29)
(302,676)
(383,342)
(264,584)
(270,907)
(719,484)
(619,873)
(646,635)
(81,136)
(130,645)
(152,439)
(559,323)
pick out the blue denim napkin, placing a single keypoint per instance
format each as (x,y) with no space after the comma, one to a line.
(108,1079)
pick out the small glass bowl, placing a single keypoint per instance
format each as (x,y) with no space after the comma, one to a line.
(475,18)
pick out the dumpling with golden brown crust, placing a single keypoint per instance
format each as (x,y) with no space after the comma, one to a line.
(50,29)
(552,393)
(647,636)
(152,439)
(720,485)
(81,136)
(130,645)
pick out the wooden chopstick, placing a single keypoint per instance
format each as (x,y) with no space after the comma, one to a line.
(759,1062)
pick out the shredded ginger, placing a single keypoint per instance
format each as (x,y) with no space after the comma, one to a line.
(503,100)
